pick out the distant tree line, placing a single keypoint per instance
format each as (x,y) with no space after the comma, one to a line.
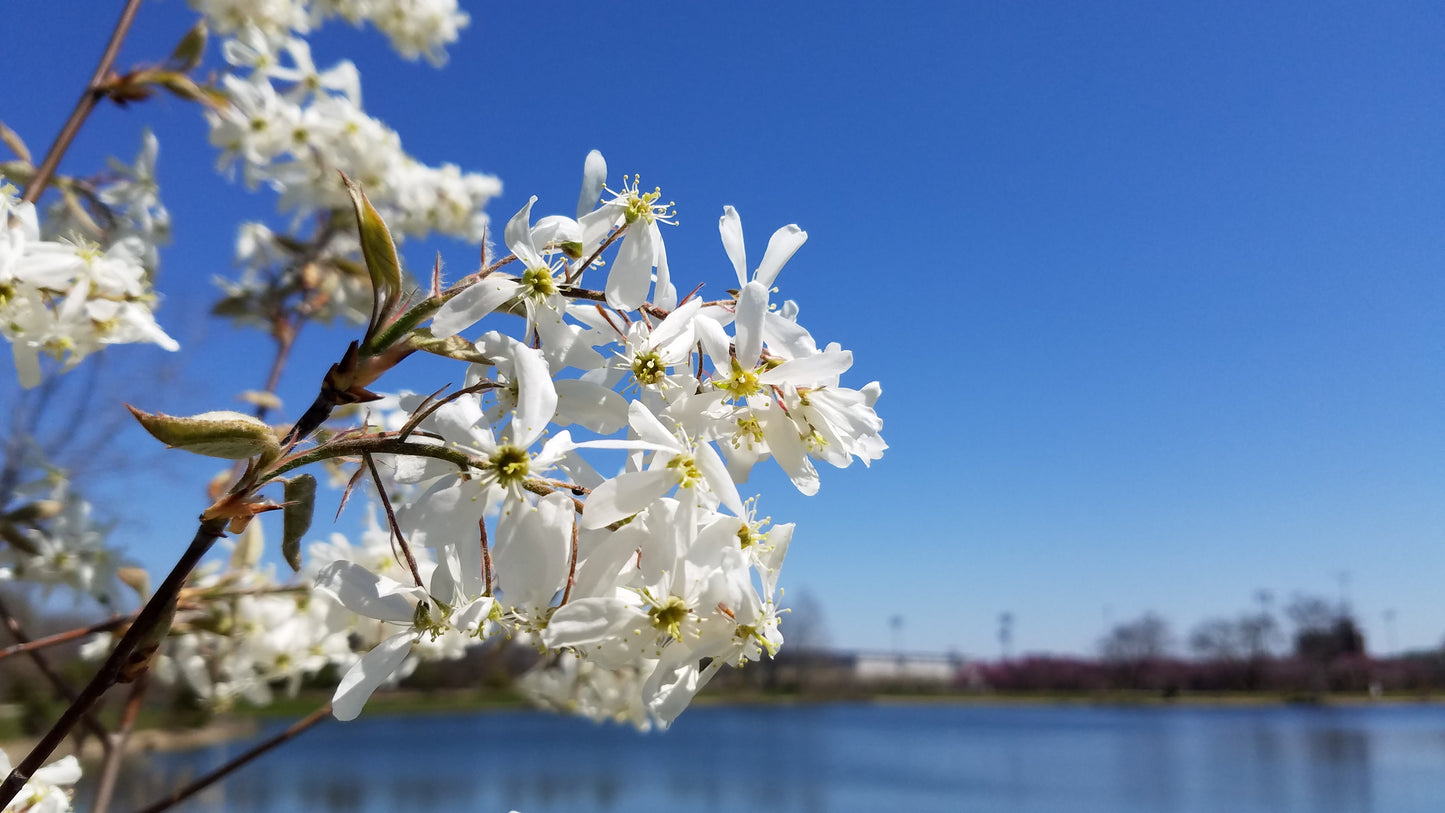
(1324,651)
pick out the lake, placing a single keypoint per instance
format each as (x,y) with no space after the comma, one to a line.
(847,757)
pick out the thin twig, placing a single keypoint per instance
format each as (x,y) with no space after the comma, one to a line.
(429,406)
(572,567)
(486,558)
(110,768)
(93,91)
(285,335)
(576,274)
(183,793)
(69,635)
(396,534)
(374,444)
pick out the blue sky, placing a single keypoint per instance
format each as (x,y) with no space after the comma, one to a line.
(1154,292)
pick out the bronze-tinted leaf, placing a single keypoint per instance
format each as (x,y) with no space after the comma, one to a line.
(227,435)
(296,517)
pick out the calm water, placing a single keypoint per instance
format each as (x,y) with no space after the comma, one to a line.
(1031,759)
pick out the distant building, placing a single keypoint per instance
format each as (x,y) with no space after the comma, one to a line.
(914,669)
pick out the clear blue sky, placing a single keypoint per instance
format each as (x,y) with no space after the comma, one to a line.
(1155,293)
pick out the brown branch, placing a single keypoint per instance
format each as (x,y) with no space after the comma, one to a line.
(62,688)
(146,628)
(94,90)
(284,333)
(69,635)
(183,793)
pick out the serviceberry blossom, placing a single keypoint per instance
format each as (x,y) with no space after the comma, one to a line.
(416,28)
(579,493)
(293,127)
(591,514)
(66,298)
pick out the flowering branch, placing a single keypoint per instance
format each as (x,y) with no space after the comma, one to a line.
(148,628)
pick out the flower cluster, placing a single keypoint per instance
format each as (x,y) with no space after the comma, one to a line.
(88,283)
(52,540)
(656,573)
(414,27)
(291,126)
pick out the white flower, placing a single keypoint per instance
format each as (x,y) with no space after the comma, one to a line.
(692,465)
(642,248)
(44,793)
(439,610)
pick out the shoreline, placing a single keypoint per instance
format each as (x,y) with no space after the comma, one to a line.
(246,723)
(147,740)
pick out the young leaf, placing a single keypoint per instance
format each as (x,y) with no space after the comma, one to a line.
(137,579)
(296,517)
(382,263)
(228,435)
(454,347)
(189,50)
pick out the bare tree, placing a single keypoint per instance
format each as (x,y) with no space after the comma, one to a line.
(1217,639)
(1145,638)
(805,627)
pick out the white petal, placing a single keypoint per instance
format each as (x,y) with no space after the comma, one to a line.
(532,552)
(714,340)
(594,177)
(519,236)
(665,294)
(447,513)
(751,310)
(443,584)
(787,447)
(779,536)
(556,230)
(811,371)
(715,472)
(536,396)
(606,558)
(781,246)
(591,621)
(787,338)
(649,428)
(368,673)
(590,405)
(60,772)
(631,273)
(731,228)
(472,305)
(677,325)
(625,495)
(365,593)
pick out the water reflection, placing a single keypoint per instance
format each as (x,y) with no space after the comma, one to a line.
(813,759)
(1339,767)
